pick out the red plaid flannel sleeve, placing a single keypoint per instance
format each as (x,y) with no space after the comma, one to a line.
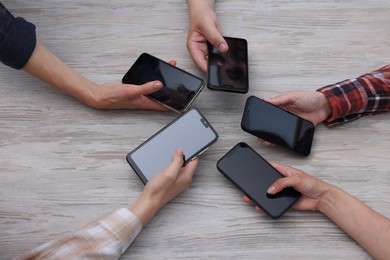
(353,98)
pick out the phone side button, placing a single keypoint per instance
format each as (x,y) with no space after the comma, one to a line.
(199,154)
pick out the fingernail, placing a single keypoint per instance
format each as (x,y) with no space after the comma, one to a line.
(271,189)
(158,85)
(179,151)
(222,47)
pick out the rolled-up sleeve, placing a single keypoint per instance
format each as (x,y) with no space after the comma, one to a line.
(17,39)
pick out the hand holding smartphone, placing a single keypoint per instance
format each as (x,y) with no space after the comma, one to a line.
(190,132)
(254,175)
(180,88)
(228,71)
(277,126)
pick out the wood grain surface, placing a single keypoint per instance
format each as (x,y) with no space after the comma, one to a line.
(62,164)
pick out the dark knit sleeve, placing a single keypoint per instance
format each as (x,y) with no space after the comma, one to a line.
(17,39)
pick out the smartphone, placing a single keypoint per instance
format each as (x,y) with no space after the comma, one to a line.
(254,175)
(277,126)
(180,88)
(190,132)
(228,71)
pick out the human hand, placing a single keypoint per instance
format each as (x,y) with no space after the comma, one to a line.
(312,106)
(164,186)
(127,96)
(47,67)
(203,27)
(366,226)
(118,95)
(311,188)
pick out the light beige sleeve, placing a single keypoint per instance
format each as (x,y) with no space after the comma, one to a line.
(105,238)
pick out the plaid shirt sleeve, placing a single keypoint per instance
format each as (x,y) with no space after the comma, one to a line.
(105,238)
(353,98)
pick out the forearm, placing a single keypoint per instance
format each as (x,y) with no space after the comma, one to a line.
(370,229)
(105,238)
(195,3)
(350,99)
(45,66)
(145,209)
(195,7)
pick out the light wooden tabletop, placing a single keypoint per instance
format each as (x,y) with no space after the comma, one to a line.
(63,164)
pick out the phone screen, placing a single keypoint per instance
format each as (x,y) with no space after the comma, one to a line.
(277,126)
(254,175)
(229,71)
(180,87)
(190,132)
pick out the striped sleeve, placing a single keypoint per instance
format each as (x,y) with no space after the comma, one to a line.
(106,238)
(353,98)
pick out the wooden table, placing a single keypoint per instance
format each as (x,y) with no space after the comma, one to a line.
(62,164)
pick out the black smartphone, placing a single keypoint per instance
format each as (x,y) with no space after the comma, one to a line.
(190,132)
(277,126)
(228,71)
(180,88)
(254,175)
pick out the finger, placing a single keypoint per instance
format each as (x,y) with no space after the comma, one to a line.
(172,62)
(264,142)
(198,55)
(200,60)
(279,100)
(188,171)
(286,171)
(192,164)
(283,183)
(145,102)
(145,89)
(191,167)
(176,164)
(246,199)
(215,37)
(258,209)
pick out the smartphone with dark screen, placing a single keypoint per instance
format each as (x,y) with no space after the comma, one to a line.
(277,126)
(228,71)
(180,88)
(253,175)
(191,132)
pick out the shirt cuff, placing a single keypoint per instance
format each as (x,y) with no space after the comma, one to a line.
(347,100)
(18,44)
(129,229)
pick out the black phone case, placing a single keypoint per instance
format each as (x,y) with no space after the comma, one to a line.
(222,88)
(179,70)
(286,207)
(305,151)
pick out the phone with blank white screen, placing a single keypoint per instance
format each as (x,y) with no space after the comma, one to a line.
(191,132)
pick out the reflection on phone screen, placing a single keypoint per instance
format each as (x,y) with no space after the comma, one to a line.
(180,87)
(277,126)
(229,71)
(254,175)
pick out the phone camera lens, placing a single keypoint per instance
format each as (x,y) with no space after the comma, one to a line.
(204,122)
